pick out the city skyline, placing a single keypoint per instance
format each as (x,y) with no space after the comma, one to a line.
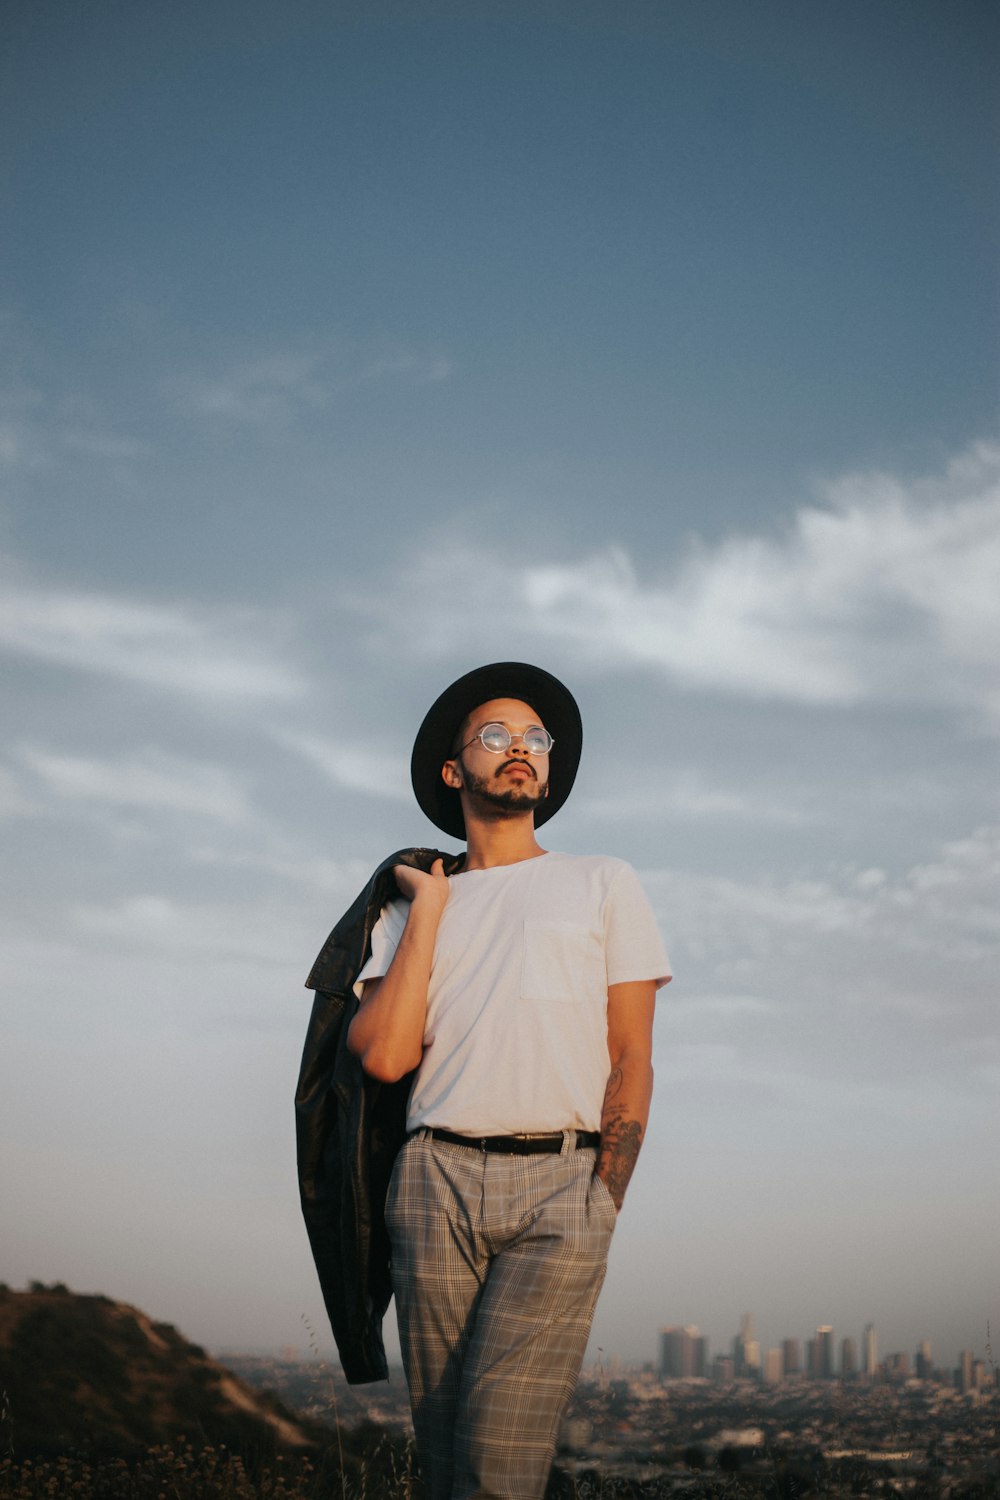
(684,1352)
(348,348)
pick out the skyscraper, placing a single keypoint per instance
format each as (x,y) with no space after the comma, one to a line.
(746,1350)
(682,1353)
(671,1357)
(791,1356)
(824,1352)
(848,1358)
(869,1344)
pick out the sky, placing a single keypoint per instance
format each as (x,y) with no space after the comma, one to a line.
(348,346)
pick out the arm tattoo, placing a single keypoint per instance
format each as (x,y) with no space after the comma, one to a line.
(614,1086)
(620,1142)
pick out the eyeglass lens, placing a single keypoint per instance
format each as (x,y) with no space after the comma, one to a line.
(496,738)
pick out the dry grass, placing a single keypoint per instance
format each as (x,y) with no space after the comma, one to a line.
(185,1473)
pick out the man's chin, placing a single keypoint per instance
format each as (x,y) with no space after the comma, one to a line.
(514,802)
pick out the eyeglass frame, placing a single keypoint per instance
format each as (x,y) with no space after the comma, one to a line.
(510,739)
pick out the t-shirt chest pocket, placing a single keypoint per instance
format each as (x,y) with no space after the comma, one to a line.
(560,961)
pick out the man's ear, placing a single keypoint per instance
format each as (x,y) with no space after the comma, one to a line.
(451,776)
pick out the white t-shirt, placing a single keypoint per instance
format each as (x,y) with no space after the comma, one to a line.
(516,1036)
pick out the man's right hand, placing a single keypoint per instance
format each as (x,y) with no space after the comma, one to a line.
(429,886)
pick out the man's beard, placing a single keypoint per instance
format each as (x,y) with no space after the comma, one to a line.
(491,800)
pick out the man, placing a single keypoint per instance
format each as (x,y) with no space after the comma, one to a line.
(520,992)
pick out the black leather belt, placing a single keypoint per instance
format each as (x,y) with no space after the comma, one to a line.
(515,1145)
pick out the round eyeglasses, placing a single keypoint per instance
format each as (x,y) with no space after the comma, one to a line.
(496,738)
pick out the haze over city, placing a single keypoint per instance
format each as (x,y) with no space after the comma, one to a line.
(347,347)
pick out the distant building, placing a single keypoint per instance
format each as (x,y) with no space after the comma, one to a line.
(848,1359)
(746,1350)
(774,1367)
(971,1374)
(723,1370)
(682,1353)
(791,1356)
(924,1362)
(869,1352)
(897,1365)
(822,1365)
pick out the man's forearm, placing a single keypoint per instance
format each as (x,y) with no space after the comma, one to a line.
(387,1031)
(623,1121)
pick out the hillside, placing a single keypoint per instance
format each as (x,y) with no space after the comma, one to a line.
(88,1373)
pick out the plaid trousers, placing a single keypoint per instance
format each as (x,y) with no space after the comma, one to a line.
(497,1262)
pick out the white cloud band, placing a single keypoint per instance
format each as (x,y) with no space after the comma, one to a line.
(886,592)
(215,653)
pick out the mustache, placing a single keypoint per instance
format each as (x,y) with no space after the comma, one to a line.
(515,762)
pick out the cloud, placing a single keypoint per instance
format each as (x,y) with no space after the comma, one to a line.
(315,873)
(687,796)
(154,781)
(257,391)
(151,923)
(724,1006)
(883,592)
(9,444)
(38,433)
(428,370)
(277,388)
(13,802)
(359,769)
(220,654)
(24,444)
(923,945)
(836,1010)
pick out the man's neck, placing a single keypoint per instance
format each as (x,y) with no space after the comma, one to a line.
(500,841)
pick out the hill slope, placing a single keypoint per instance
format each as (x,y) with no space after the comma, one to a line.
(87,1372)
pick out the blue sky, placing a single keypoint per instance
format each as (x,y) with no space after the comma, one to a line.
(345,347)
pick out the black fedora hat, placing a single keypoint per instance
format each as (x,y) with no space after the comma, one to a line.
(553,703)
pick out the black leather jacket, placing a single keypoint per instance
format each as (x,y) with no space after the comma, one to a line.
(349,1128)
